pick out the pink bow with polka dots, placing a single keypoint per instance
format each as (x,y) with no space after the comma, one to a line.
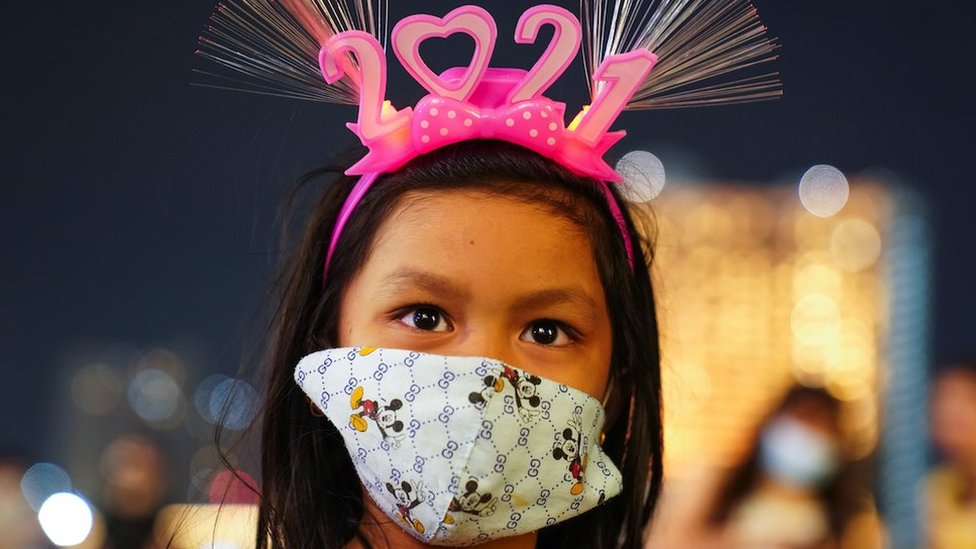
(536,124)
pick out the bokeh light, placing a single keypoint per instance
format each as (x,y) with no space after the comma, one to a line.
(155,396)
(66,519)
(824,190)
(816,277)
(233,403)
(96,389)
(166,361)
(43,480)
(203,395)
(233,487)
(855,245)
(643,174)
(815,320)
(133,476)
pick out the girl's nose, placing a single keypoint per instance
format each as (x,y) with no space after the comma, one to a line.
(487,341)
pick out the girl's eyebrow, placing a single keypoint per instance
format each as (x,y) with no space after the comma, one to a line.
(428,281)
(437,284)
(573,296)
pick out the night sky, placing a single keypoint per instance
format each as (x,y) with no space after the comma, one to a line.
(139,210)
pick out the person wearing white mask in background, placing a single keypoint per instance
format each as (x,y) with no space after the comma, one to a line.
(796,489)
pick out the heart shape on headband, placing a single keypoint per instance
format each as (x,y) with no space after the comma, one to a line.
(412,31)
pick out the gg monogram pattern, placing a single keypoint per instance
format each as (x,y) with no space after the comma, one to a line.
(459,450)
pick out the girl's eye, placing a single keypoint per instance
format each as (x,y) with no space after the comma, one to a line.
(546,332)
(428,319)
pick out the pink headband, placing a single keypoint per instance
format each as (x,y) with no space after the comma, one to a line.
(704,46)
(478,102)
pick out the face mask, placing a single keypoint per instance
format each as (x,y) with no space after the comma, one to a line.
(460,450)
(797,455)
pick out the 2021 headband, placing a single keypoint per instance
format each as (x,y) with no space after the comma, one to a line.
(690,42)
(478,102)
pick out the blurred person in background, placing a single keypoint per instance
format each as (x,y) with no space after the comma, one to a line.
(134,474)
(796,489)
(951,487)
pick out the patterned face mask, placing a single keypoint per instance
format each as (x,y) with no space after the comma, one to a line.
(461,450)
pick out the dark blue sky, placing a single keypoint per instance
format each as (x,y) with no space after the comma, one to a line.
(137,208)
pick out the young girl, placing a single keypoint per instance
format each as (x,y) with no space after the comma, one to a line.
(479,249)
(466,349)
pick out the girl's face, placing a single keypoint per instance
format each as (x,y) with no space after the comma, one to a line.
(468,274)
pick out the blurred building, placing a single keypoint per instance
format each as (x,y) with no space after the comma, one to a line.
(758,291)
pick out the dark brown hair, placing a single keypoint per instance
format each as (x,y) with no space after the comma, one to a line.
(957,365)
(310,493)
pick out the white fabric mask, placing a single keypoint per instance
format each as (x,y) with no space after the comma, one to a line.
(797,455)
(461,450)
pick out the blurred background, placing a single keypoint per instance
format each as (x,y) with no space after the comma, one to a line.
(814,259)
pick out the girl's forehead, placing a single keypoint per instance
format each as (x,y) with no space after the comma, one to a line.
(495,198)
(458,236)
(496,221)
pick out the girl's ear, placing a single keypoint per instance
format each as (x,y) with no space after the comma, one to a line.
(316,411)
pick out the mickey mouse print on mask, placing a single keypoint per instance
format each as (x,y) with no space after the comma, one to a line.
(484,449)
(383,415)
(525,390)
